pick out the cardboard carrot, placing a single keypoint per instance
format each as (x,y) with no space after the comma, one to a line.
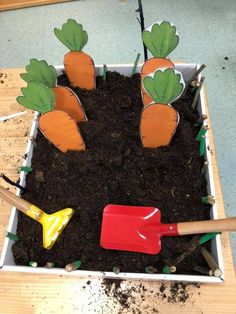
(79,66)
(65,99)
(160,39)
(57,126)
(61,130)
(159,120)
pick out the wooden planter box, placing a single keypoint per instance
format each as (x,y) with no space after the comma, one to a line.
(7,261)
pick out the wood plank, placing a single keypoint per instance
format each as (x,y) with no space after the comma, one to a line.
(18,4)
(28,293)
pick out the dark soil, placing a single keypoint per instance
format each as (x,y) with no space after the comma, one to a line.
(115,168)
(131,296)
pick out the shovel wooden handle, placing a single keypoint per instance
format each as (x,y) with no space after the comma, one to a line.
(14,200)
(205,226)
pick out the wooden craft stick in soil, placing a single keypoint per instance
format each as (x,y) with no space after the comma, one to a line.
(211,262)
(159,120)
(79,66)
(203,270)
(204,167)
(53,224)
(161,39)
(195,75)
(49,265)
(57,126)
(197,93)
(190,248)
(65,99)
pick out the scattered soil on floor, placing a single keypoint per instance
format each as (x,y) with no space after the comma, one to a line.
(131,296)
(116,169)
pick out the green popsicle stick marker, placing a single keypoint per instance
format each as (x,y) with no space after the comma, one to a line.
(116,270)
(209,199)
(73,266)
(207,237)
(135,64)
(12,236)
(201,132)
(104,73)
(26,169)
(202,145)
(150,270)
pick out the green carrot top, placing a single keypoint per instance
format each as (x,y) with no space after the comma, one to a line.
(38,97)
(72,35)
(164,85)
(40,72)
(160,38)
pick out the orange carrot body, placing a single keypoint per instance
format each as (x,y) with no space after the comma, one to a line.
(80,70)
(60,129)
(158,125)
(151,66)
(66,100)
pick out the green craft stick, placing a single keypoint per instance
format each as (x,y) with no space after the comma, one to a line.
(135,64)
(73,266)
(202,146)
(168,269)
(12,236)
(193,90)
(104,74)
(150,270)
(208,236)
(116,270)
(201,133)
(33,264)
(26,169)
(209,199)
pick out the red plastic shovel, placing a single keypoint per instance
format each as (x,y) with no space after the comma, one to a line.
(139,229)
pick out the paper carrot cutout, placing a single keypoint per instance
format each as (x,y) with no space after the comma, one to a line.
(159,120)
(79,66)
(61,130)
(65,99)
(57,126)
(160,39)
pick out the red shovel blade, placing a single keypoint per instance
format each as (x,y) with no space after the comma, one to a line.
(133,228)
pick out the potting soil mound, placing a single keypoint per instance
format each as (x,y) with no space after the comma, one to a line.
(114,169)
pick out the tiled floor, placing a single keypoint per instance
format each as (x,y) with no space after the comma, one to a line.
(207,35)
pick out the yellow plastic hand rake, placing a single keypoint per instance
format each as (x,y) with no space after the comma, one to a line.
(53,224)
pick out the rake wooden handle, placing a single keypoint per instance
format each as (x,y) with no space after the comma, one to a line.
(205,226)
(14,200)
